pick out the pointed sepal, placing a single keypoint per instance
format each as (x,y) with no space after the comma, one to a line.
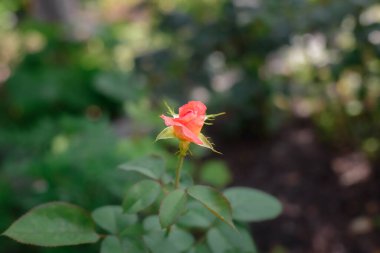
(207,143)
(167,133)
(170,110)
(213,116)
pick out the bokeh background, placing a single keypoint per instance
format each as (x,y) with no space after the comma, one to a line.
(82,84)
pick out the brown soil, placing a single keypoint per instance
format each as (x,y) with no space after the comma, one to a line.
(331,202)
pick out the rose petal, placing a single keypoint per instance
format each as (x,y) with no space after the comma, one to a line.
(196,106)
(181,131)
(184,133)
(170,121)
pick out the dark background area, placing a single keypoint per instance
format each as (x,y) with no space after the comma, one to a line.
(82,84)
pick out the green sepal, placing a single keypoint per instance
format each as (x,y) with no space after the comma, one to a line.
(170,110)
(167,133)
(213,116)
(207,143)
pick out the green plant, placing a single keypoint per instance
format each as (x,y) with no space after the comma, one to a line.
(160,212)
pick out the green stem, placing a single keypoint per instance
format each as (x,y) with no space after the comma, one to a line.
(168,231)
(178,170)
(183,148)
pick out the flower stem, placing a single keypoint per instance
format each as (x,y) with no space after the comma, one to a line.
(168,231)
(178,170)
(183,148)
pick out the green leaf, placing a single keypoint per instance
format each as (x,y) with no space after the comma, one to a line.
(152,166)
(171,207)
(140,196)
(132,231)
(252,205)
(135,245)
(181,239)
(178,240)
(217,242)
(54,224)
(224,239)
(112,245)
(200,248)
(158,243)
(215,173)
(112,218)
(152,223)
(196,216)
(167,133)
(214,201)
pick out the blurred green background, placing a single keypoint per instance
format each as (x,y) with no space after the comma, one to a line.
(82,84)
